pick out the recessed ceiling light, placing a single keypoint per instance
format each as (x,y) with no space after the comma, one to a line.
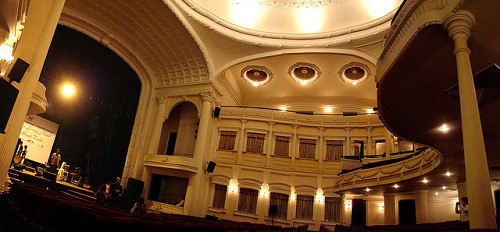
(395,186)
(425,181)
(367,189)
(448,174)
(444,187)
(283,108)
(256,75)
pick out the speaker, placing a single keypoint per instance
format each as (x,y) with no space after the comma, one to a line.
(211,166)
(216,112)
(18,70)
(134,188)
(8,94)
(273,210)
(49,176)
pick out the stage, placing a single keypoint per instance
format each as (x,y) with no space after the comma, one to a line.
(49,181)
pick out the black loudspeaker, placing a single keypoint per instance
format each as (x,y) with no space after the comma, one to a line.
(134,188)
(18,70)
(49,176)
(216,112)
(211,166)
(8,94)
(273,210)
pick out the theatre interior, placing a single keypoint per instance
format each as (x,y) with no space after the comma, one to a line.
(264,115)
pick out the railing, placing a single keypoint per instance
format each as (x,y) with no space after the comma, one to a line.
(390,171)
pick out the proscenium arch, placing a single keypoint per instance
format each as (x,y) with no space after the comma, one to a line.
(133,162)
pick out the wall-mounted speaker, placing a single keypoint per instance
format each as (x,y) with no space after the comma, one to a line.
(18,70)
(8,94)
(216,112)
(211,166)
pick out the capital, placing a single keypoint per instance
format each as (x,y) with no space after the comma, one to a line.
(162,99)
(207,96)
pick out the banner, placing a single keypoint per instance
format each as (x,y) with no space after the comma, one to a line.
(39,134)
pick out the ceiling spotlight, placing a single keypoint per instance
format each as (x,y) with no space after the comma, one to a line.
(444,128)
(395,186)
(367,189)
(444,187)
(425,180)
(447,174)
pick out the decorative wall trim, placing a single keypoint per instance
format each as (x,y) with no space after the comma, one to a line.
(392,173)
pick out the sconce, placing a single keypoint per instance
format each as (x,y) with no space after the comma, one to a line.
(348,204)
(233,188)
(263,193)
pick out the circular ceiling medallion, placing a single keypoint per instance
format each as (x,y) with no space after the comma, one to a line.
(354,73)
(304,73)
(256,75)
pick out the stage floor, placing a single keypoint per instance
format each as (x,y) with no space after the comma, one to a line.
(63,186)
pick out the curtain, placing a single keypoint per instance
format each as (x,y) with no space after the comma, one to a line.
(247,201)
(281,200)
(307,148)
(227,140)
(281,146)
(255,143)
(304,209)
(334,150)
(332,209)
(219,196)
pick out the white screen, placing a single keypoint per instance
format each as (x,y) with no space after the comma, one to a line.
(39,134)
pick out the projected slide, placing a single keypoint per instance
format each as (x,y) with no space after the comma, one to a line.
(39,134)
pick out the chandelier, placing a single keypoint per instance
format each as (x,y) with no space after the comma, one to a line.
(300,4)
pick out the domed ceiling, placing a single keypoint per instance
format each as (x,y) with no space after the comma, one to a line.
(295,19)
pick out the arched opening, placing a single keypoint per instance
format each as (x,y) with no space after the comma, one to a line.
(178,135)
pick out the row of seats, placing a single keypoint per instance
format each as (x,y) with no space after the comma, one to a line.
(35,209)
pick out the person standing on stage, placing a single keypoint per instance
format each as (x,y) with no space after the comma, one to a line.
(18,151)
(115,191)
(55,160)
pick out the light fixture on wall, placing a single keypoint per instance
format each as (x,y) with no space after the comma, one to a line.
(348,204)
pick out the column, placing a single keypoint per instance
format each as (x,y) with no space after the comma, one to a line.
(369,150)
(422,212)
(270,139)
(481,207)
(321,152)
(388,143)
(390,208)
(198,183)
(295,144)
(347,141)
(241,141)
(461,189)
(160,118)
(32,47)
